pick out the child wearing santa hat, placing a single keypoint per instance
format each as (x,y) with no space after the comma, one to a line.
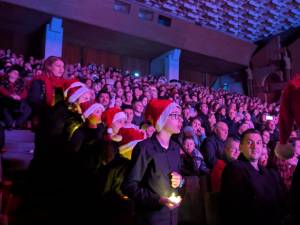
(130,137)
(54,165)
(86,140)
(114,119)
(120,204)
(153,174)
(59,122)
(84,148)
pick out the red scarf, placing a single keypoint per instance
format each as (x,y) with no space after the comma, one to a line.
(51,82)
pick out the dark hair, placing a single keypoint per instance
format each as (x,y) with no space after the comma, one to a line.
(144,125)
(264,130)
(231,139)
(103,91)
(188,137)
(127,107)
(17,68)
(249,131)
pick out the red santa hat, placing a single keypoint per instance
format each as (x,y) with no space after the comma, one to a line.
(157,112)
(111,115)
(75,93)
(130,137)
(72,84)
(289,115)
(89,107)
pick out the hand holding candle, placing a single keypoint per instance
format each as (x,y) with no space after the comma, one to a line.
(171,202)
(175,199)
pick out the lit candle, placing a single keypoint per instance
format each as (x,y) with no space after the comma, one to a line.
(175,199)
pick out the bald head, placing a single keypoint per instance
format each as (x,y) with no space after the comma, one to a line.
(221,130)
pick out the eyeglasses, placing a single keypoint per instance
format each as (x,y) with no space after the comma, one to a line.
(175,116)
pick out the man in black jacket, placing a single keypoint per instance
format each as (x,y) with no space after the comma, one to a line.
(154,168)
(250,194)
(213,146)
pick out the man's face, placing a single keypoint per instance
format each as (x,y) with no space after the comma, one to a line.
(129,114)
(104,99)
(222,131)
(231,114)
(139,107)
(252,146)
(232,150)
(129,96)
(173,123)
(189,145)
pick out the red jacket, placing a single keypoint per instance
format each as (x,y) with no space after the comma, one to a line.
(11,90)
(216,175)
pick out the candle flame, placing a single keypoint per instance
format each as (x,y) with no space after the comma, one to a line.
(175,199)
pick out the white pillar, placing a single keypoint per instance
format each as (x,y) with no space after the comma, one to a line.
(54,38)
(167,64)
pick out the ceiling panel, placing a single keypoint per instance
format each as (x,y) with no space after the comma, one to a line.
(251,20)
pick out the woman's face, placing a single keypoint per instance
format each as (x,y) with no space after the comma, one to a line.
(57,68)
(120,92)
(212,119)
(196,125)
(145,101)
(85,97)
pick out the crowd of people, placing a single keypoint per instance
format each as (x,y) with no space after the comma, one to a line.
(103,135)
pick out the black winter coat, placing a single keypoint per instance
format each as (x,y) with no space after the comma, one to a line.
(149,179)
(212,149)
(249,196)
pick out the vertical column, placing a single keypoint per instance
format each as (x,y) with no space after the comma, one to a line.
(172,64)
(250,82)
(54,38)
(167,64)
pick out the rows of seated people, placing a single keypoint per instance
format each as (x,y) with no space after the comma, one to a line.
(78,150)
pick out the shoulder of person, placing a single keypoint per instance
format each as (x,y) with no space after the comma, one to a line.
(235,165)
